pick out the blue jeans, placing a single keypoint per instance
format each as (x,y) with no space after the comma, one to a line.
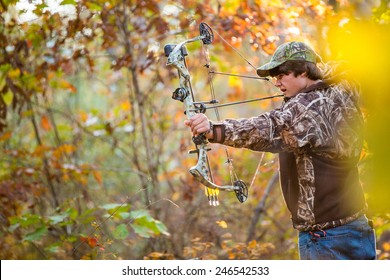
(353,241)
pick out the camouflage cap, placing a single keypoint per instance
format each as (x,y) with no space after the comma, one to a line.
(288,51)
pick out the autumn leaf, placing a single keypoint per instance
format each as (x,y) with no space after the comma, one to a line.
(92,242)
(8,97)
(125,106)
(252,244)
(386,246)
(222,224)
(98,176)
(14,73)
(68,2)
(45,123)
(5,136)
(66,85)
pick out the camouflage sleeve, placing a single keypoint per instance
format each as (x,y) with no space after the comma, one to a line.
(257,133)
(288,129)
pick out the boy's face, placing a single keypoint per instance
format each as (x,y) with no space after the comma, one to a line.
(290,85)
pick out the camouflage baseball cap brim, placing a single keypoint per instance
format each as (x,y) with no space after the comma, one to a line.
(286,52)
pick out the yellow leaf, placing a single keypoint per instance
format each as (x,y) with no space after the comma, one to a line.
(234,82)
(83,116)
(125,106)
(176,196)
(8,97)
(386,246)
(230,7)
(14,73)
(66,85)
(222,224)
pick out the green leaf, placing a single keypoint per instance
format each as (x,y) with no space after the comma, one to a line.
(142,231)
(72,212)
(116,207)
(139,214)
(58,218)
(41,6)
(93,7)
(36,235)
(10,2)
(146,226)
(121,232)
(124,215)
(162,228)
(68,2)
(148,222)
(26,220)
(54,248)
(8,97)
(120,211)
(4,68)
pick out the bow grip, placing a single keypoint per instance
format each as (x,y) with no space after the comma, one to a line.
(199,139)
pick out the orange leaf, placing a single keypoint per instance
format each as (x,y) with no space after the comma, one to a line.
(83,116)
(45,123)
(5,136)
(252,244)
(98,177)
(92,241)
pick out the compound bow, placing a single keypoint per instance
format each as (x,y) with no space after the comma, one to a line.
(184,93)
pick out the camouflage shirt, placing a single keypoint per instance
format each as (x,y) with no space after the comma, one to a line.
(317,134)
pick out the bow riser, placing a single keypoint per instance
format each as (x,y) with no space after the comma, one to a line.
(200,170)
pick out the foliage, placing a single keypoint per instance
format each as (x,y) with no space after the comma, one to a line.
(93,161)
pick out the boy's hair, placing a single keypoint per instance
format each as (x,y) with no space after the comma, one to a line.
(297,67)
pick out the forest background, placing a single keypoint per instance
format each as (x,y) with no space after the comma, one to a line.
(94,161)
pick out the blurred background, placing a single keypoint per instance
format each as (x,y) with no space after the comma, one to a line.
(94,161)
